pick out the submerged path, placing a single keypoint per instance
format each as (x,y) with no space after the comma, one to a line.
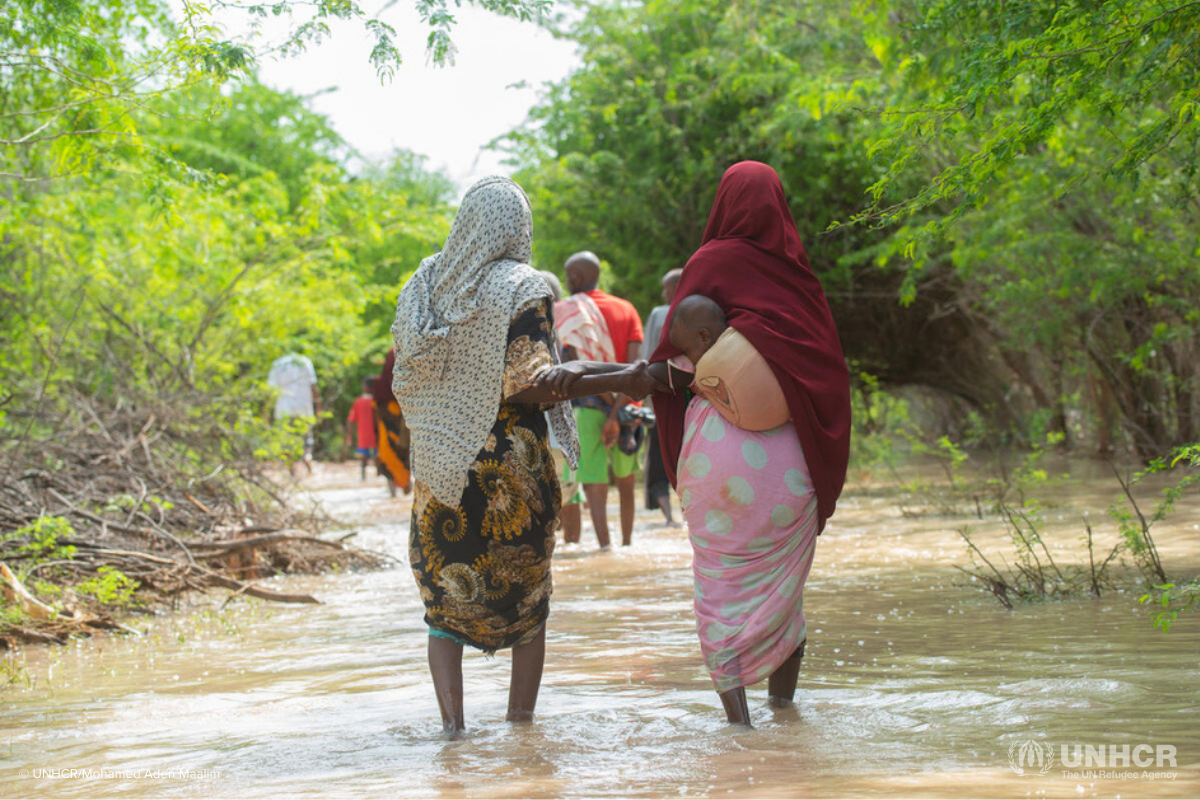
(914,684)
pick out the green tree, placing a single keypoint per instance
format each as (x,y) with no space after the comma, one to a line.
(78,78)
(257,240)
(78,74)
(1044,157)
(253,131)
(1026,240)
(624,156)
(982,85)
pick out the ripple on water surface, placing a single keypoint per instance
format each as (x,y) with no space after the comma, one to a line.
(912,684)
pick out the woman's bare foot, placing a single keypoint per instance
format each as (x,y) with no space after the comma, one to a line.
(445,665)
(527,661)
(781,686)
(736,710)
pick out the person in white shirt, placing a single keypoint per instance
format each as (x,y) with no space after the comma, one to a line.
(296,380)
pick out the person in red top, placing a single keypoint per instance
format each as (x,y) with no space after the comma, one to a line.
(596,417)
(362,415)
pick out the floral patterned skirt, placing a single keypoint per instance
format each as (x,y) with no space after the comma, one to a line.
(483,566)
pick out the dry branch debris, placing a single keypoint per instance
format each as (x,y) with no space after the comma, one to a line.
(128,482)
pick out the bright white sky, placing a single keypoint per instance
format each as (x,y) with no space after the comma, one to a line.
(448,114)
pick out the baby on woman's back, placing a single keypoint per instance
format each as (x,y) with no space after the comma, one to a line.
(729,372)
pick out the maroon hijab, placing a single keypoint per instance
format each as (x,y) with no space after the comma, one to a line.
(382,390)
(751,262)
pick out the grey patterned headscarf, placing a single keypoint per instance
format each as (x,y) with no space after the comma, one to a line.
(451,334)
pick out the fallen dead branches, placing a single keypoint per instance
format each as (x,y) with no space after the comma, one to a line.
(175,576)
(110,510)
(18,595)
(147,473)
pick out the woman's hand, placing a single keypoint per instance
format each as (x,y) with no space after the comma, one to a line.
(580,378)
(560,377)
(638,382)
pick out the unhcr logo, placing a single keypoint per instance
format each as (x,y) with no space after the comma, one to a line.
(1143,755)
(1031,758)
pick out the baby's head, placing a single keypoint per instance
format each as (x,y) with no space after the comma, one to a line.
(696,325)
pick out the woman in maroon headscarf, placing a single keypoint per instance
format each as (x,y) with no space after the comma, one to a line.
(755,501)
(391,459)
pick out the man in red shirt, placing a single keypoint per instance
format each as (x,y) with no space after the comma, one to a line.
(596,417)
(362,414)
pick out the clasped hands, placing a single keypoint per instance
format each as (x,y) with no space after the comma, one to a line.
(579,378)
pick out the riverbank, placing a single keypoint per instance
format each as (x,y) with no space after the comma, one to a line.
(78,555)
(915,683)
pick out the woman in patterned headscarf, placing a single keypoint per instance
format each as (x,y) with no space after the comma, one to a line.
(474,333)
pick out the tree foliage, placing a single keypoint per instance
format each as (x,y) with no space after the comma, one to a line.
(624,156)
(999,198)
(1107,86)
(225,229)
(79,73)
(1050,154)
(81,77)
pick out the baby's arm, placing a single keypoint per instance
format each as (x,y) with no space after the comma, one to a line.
(669,377)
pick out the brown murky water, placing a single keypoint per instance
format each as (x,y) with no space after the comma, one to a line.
(915,683)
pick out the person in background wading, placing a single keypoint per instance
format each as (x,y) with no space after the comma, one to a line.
(572,492)
(360,426)
(391,457)
(298,403)
(596,326)
(658,486)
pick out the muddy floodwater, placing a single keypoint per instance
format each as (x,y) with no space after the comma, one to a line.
(915,682)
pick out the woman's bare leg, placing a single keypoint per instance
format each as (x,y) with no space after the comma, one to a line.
(628,507)
(572,522)
(527,661)
(736,710)
(781,686)
(445,665)
(597,497)
(664,505)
